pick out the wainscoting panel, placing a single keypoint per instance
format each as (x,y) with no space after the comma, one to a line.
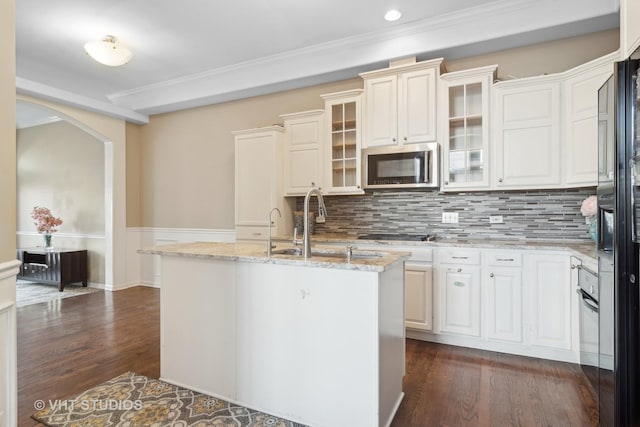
(8,348)
(145,269)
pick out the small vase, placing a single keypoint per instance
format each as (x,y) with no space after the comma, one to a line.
(47,241)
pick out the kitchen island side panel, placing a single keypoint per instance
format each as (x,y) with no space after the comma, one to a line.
(391,330)
(197,324)
(308,343)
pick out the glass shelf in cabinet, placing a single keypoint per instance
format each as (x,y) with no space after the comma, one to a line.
(474,120)
(457,120)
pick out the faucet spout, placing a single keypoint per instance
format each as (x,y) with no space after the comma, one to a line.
(269,244)
(322,211)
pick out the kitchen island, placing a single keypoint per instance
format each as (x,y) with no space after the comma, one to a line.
(318,341)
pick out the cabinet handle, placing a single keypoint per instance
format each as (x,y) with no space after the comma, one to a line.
(499,179)
(491,275)
(460,257)
(457,270)
(257,234)
(458,284)
(505,259)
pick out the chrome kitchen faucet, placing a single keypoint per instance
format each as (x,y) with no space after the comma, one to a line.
(269,245)
(322,212)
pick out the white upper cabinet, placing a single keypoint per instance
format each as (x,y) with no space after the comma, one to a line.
(258,184)
(526,137)
(580,120)
(342,164)
(400,104)
(629,26)
(303,143)
(465,125)
(606,133)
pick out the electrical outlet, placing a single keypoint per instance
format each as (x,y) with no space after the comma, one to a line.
(449,217)
(496,219)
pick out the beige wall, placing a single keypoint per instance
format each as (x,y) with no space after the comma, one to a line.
(112,133)
(7,133)
(544,58)
(61,167)
(186,157)
(134,192)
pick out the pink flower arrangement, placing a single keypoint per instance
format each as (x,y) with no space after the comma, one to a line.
(589,207)
(44,220)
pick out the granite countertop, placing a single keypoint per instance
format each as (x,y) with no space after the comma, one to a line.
(578,249)
(253,252)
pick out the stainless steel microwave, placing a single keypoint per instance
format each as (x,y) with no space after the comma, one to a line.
(406,166)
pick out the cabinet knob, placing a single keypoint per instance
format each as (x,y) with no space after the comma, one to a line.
(446,183)
(499,179)
(313,184)
(393,139)
(491,275)
(405,138)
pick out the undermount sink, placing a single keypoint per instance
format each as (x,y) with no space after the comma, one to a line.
(287,251)
(328,253)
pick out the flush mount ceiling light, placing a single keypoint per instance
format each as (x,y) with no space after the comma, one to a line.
(392,15)
(108,51)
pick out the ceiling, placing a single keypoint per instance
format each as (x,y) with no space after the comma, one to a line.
(199,52)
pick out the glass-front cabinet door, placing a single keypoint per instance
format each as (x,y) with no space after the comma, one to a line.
(343,165)
(466,128)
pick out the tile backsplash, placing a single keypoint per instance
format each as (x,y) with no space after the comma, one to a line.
(539,214)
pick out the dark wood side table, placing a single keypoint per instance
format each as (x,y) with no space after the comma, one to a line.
(58,266)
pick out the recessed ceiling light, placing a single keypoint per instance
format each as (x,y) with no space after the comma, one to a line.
(392,15)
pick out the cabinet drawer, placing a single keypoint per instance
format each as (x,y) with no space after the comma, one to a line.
(507,259)
(421,255)
(244,232)
(457,256)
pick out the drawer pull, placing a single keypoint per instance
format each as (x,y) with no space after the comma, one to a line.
(505,259)
(456,270)
(458,284)
(460,257)
(257,234)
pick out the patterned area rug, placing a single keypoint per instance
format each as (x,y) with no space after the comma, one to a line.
(28,293)
(132,400)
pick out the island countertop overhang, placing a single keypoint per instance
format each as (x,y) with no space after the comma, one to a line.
(256,253)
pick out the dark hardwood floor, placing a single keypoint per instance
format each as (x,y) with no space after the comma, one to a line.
(67,347)
(76,343)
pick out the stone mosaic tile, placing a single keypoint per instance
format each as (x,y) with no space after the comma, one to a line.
(539,214)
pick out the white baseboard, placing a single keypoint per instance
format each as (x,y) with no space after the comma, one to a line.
(563,355)
(145,269)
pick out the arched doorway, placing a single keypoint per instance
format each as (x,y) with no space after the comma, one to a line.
(87,207)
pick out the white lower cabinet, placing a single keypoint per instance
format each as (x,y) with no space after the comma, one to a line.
(502,287)
(518,302)
(549,295)
(458,279)
(418,283)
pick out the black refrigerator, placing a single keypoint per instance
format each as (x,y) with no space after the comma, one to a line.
(618,243)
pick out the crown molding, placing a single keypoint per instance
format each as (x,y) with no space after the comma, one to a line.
(50,93)
(348,57)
